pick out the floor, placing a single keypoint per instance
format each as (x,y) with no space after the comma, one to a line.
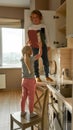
(9,103)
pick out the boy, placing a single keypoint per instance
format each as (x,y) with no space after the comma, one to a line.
(36,18)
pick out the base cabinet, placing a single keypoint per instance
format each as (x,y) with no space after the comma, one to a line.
(67,119)
(60,115)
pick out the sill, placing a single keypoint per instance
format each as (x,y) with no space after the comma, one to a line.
(10,67)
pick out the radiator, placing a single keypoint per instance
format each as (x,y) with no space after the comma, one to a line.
(2,81)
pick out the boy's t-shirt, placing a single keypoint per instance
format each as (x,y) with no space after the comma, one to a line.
(44,36)
(33,37)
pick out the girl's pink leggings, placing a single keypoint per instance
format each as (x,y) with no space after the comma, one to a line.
(28,90)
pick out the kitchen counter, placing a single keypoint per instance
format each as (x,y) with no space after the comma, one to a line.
(62,81)
(67,101)
(66,81)
(58,103)
(50,85)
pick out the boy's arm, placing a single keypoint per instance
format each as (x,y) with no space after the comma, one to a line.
(27,62)
(36,57)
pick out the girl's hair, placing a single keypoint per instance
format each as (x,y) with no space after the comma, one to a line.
(25,49)
(37,12)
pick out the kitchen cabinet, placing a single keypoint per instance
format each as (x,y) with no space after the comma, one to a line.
(61,25)
(69,23)
(64,24)
(60,110)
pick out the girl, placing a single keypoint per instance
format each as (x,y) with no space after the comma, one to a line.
(28,79)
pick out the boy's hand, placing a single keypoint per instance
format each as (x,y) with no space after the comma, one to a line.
(40,44)
(48,48)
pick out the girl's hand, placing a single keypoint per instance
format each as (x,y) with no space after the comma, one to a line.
(28,43)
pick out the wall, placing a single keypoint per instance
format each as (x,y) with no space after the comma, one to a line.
(11,12)
(54,4)
(42,5)
(39,4)
(70,42)
(45,4)
(13,77)
(63,58)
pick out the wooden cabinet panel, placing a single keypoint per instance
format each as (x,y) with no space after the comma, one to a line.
(61,25)
(69,24)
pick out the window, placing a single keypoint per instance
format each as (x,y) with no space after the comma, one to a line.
(12,40)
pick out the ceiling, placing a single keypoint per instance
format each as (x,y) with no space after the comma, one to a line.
(15,3)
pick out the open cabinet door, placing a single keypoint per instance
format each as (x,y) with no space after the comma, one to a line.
(48,20)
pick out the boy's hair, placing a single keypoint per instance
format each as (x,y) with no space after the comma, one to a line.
(25,49)
(37,12)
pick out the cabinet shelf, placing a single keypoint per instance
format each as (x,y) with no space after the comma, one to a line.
(62,9)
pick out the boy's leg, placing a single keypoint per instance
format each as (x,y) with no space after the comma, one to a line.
(46,63)
(45,60)
(36,63)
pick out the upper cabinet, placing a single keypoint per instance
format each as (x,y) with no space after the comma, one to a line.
(69,18)
(64,24)
(61,25)
(69,23)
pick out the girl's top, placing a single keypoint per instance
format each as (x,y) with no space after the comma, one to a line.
(43,33)
(25,73)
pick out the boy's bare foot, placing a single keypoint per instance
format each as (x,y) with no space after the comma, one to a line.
(49,79)
(38,79)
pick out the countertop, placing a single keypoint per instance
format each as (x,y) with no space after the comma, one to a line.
(67,101)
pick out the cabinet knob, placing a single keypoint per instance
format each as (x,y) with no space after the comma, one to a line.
(56,101)
(55,17)
(56,42)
